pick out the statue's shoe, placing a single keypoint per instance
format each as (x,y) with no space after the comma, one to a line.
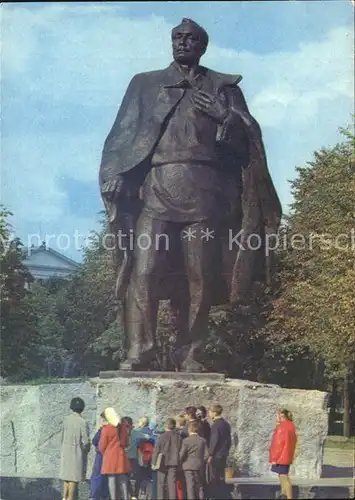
(177,356)
(141,362)
(184,358)
(192,366)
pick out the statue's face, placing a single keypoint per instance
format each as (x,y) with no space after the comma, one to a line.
(187,45)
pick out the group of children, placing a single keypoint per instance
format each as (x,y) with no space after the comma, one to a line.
(183,459)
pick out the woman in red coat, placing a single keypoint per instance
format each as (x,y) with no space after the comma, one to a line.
(115,463)
(282,450)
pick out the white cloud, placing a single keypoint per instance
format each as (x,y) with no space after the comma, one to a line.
(295,84)
(85,55)
(32,166)
(88,58)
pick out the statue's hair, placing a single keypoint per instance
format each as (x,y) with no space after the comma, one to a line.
(202,31)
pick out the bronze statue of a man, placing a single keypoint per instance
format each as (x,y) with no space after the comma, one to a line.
(184,170)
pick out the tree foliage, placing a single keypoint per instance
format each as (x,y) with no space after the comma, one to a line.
(315,310)
(16,316)
(58,320)
(85,312)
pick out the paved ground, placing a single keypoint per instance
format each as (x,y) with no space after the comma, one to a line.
(338,463)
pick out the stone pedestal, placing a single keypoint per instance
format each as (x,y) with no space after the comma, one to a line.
(31,417)
(216,377)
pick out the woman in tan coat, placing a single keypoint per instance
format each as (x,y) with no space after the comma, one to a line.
(74,450)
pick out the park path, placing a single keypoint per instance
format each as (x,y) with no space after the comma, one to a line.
(338,463)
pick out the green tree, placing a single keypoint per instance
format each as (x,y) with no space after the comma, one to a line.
(315,310)
(44,354)
(16,317)
(92,316)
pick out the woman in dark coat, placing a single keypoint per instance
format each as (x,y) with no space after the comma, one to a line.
(204,431)
(98,482)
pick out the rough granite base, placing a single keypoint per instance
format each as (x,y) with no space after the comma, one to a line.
(31,418)
(249,407)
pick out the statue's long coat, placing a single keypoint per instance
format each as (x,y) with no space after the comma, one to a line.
(149,99)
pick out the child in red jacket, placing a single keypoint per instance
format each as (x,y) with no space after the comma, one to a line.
(282,450)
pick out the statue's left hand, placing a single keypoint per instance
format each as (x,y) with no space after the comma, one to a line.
(211,105)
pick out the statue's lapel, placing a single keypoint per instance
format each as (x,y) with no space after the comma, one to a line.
(168,97)
(171,91)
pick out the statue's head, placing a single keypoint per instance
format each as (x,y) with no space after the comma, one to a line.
(189,42)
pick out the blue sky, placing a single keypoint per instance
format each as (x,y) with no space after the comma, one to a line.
(65,68)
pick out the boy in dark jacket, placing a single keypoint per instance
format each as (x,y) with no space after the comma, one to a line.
(204,429)
(168,445)
(219,446)
(193,456)
(180,479)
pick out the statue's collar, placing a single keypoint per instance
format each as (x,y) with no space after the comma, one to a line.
(178,77)
(180,71)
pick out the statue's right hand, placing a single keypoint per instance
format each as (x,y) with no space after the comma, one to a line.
(124,191)
(108,189)
(109,192)
(114,190)
(115,193)
(119,190)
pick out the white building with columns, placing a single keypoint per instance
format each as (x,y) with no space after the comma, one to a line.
(44,263)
